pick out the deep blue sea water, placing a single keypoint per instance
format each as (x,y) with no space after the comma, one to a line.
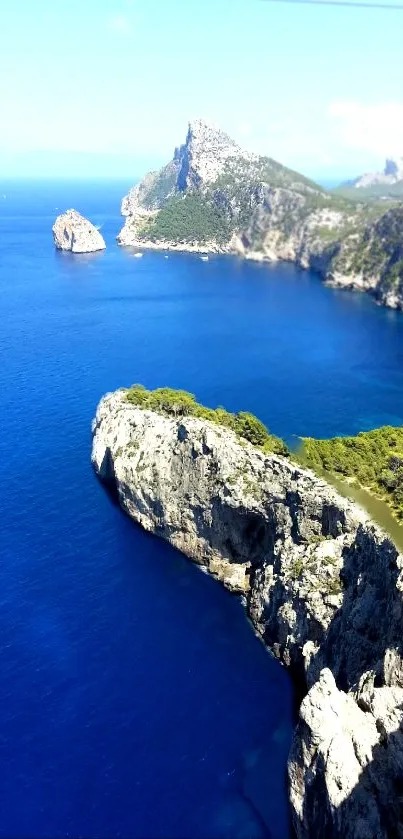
(135,700)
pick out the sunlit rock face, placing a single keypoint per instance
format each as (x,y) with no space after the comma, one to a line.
(345,765)
(73,232)
(321,584)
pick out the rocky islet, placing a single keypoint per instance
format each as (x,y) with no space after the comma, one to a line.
(72,232)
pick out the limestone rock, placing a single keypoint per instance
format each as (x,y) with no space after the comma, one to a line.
(322,585)
(225,505)
(73,232)
(345,766)
(205,154)
(198,162)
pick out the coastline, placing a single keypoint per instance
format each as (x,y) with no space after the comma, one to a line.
(344,283)
(180,247)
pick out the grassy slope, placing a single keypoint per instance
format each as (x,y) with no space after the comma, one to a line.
(228,203)
(187,218)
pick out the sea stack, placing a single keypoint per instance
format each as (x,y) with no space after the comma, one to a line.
(73,232)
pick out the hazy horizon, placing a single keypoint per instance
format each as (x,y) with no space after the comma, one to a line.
(314,87)
(65,165)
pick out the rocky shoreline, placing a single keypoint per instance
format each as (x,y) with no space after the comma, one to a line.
(321,584)
(180,247)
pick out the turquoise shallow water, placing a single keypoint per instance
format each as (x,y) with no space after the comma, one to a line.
(136,701)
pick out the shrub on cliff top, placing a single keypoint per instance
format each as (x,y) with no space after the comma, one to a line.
(180,403)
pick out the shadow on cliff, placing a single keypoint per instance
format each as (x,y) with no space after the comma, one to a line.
(363,648)
(366,633)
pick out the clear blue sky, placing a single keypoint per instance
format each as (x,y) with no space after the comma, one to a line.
(109,85)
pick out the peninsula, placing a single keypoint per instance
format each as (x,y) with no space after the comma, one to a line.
(215,197)
(321,584)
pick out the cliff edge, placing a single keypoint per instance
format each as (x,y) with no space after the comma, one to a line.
(321,584)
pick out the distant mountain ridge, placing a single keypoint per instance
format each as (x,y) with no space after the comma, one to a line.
(215,197)
(392,173)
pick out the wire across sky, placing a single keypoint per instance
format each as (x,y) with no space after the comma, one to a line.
(351,3)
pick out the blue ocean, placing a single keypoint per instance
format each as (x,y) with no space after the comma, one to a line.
(135,700)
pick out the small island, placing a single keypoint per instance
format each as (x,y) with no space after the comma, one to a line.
(321,584)
(73,232)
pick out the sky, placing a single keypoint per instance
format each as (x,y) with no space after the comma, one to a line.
(107,87)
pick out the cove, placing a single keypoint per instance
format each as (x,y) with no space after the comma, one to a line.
(136,700)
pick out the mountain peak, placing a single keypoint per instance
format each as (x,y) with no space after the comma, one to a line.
(201,129)
(205,153)
(394,168)
(209,158)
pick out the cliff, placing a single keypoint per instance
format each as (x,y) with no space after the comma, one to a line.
(73,232)
(215,196)
(321,584)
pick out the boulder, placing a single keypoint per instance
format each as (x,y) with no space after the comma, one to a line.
(73,232)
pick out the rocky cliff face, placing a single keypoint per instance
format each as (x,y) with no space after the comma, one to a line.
(195,164)
(322,586)
(215,196)
(73,232)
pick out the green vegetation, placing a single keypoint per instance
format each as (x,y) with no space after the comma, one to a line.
(241,180)
(364,239)
(180,403)
(187,218)
(329,201)
(260,170)
(278,175)
(323,568)
(356,243)
(379,249)
(372,459)
(375,192)
(297,567)
(160,187)
(334,586)
(328,234)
